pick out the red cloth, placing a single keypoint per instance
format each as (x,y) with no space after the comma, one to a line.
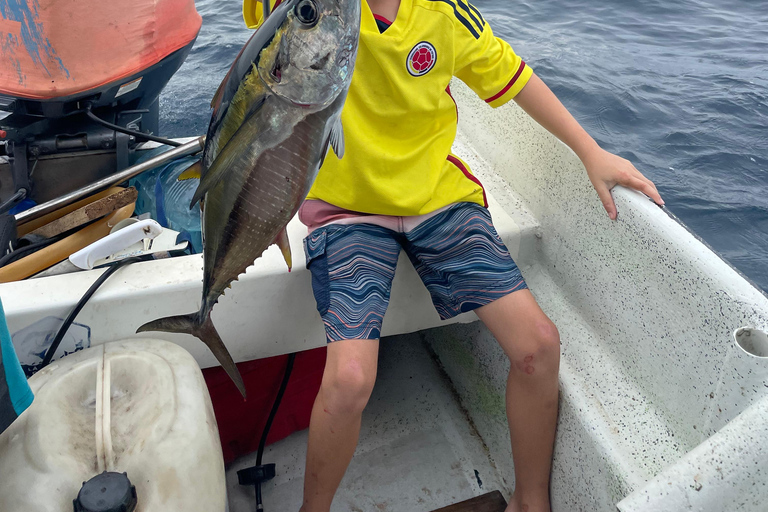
(56,48)
(242,422)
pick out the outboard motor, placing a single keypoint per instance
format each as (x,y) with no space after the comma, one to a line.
(72,71)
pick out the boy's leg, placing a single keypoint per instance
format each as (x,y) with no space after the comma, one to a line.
(466,266)
(352,270)
(532,343)
(350,372)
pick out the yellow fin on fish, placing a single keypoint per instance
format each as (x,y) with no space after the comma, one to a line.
(192,172)
(282,242)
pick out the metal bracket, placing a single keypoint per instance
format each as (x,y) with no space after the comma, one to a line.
(19,168)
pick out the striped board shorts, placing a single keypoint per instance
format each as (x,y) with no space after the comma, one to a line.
(456,252)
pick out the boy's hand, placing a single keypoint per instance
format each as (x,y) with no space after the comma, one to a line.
(606,170)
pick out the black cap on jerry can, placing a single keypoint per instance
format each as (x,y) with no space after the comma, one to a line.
(107,492)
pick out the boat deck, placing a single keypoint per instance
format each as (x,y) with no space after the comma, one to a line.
(418,451)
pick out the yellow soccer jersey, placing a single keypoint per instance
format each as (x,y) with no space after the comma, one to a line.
(400,120)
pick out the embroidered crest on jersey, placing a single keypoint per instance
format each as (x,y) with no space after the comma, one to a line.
(421,59)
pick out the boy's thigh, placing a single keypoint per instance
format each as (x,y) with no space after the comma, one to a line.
(352,269)
(462,260)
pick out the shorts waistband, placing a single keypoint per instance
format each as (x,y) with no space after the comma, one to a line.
(316,213)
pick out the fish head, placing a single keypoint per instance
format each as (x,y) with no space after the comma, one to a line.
(311,58)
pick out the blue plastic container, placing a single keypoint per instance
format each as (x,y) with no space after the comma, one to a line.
(166,198)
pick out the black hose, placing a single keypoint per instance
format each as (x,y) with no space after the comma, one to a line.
(270,419)
(73,314)
(32,247)
(259,505)
(138,135)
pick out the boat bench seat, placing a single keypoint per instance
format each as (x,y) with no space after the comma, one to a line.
(268,311)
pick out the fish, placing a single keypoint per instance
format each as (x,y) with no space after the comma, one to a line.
(274,117)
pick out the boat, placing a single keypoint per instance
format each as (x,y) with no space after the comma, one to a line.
(664,358)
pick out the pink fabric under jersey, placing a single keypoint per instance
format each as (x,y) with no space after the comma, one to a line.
(315,213)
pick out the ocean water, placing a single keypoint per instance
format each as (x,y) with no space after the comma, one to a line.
(680,88)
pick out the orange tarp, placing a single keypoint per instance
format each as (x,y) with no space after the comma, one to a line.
(55,48)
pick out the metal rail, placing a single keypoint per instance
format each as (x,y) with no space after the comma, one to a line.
(38,211)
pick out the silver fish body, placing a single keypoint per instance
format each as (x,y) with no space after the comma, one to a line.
(275,115)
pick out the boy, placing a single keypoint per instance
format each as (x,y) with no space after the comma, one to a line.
(399,186)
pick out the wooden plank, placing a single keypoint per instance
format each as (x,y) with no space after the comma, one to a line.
(89,212)
(491,502)
(32,225)
(59,251)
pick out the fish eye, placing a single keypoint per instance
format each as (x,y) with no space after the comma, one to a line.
(306,12)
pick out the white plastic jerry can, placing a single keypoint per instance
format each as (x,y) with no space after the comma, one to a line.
(138,407)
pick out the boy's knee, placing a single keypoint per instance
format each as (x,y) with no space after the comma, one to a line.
(347,388)
(543,354)
(548,338)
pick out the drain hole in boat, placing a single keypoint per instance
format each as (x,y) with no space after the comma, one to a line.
(752,341)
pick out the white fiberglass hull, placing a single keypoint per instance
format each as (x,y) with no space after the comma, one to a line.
(655,393)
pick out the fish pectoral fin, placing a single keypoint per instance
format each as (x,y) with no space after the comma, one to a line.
(192,172)
(222,164)
(336,137)
(282,242)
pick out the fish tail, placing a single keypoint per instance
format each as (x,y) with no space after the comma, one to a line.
(206,332)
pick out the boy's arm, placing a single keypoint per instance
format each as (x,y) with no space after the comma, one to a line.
(605,170)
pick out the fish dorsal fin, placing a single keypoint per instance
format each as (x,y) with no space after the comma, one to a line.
(336,136)
(282,242)
(226,155)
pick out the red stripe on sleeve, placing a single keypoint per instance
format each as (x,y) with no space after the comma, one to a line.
(509,85)
(458,163)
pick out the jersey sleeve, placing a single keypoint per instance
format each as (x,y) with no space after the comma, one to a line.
(487,64)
